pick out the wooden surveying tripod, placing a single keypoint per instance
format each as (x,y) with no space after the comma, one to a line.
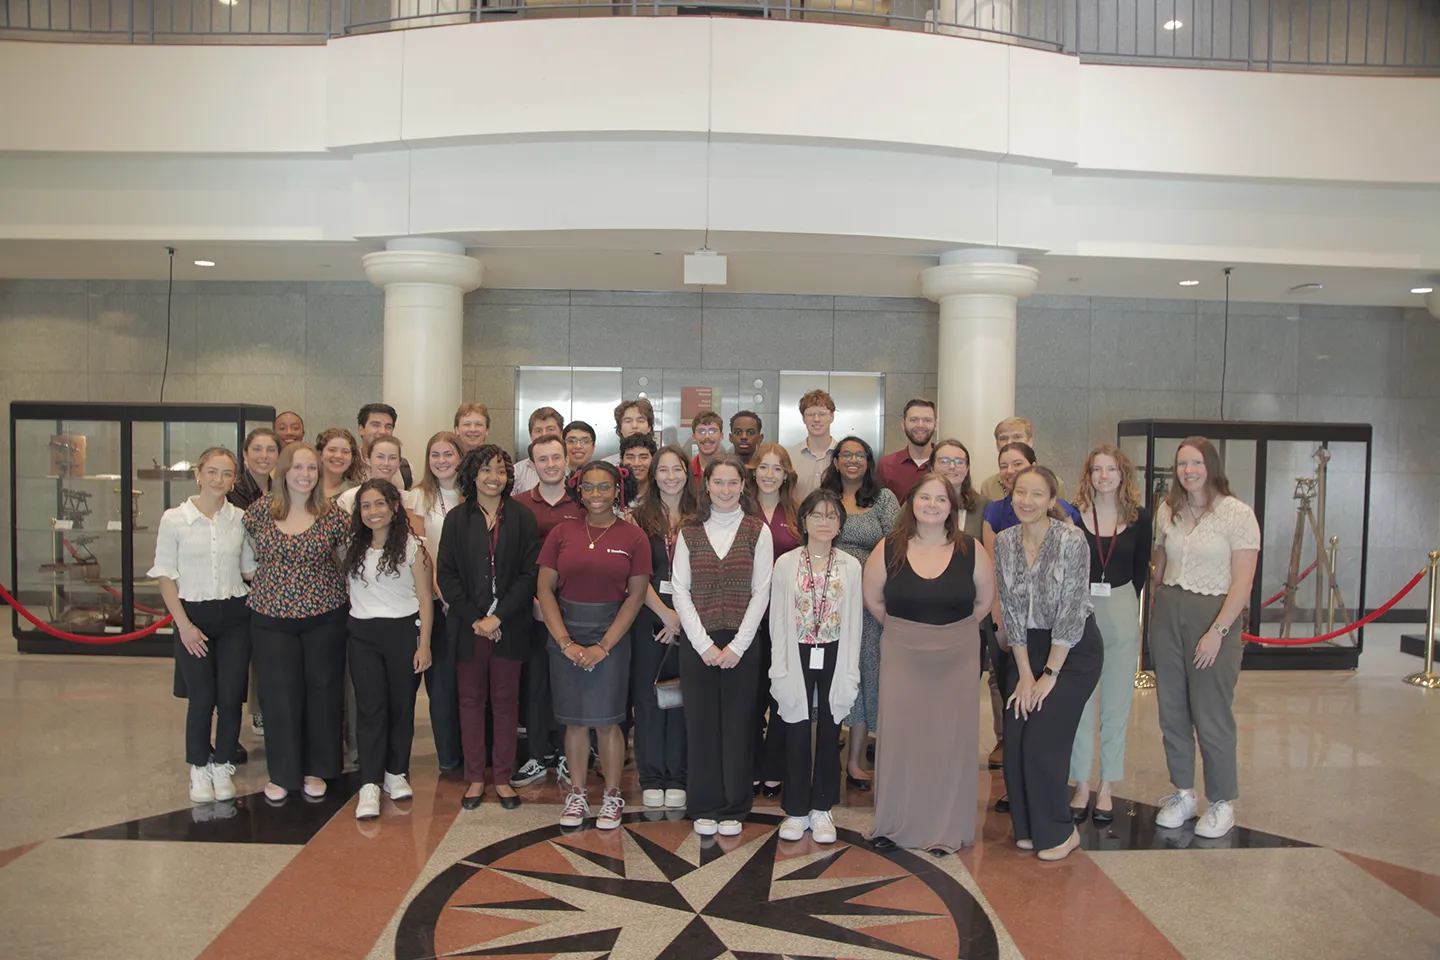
(1305,494)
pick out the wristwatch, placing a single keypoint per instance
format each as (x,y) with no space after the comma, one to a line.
(1222,630)
(1049,672)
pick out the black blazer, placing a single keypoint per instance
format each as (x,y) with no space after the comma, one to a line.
(463,573)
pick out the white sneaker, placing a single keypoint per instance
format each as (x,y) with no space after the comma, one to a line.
(729,828)
(1219,818)
(369,806)
(612,808)
(675,799)
(706,827)
(257,724)
(202,788)
(653,798)
(222,776)
(528,774)
(794,828)
(1176,809)
(577,808)
(397,787)
(822,827)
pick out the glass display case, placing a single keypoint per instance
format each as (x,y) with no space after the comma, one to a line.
(1309,484)
(88,483)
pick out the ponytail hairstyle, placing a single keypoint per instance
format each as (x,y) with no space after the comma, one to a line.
(397,538)
(213,452)
(1056,512)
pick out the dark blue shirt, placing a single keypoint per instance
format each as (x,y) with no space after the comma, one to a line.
(1001,515)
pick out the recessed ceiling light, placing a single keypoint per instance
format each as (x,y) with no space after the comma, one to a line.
(1169,24)
(229,3)
(1307,287)
(1422,289)
(204,263)
(1189,283)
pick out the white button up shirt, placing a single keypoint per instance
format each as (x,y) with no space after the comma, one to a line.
(206,558)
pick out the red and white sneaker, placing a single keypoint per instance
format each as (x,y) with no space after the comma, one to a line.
(577,808)
(612,808)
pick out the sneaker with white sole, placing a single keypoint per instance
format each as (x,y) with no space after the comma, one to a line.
(397,787)
(612,808)
(202,787)
(675,799)
(1218,820)
(794,828)
(730,828)
(706,827)
(257,724)
(822,826)
(1175,809)
(369,806)
(653,797)
(532,771)
(577,808)
(562,770)
(222,775)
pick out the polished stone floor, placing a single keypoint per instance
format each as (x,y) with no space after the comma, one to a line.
(1337,852)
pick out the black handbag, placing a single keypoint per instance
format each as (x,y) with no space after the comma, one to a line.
(667,692)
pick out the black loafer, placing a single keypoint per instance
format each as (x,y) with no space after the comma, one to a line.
(882,844)
(755,789)
(1079,814)
(771,792)
(509,803)
(1103,816)
(472,803)
(855,783)
(1003,804)
(242,756)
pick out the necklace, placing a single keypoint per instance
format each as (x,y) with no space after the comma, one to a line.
(603,531)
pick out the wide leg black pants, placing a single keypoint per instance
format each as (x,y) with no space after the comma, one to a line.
(720,728)
(302,670)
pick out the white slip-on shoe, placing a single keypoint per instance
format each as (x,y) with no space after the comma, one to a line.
(729,828)
(369,806)
(1218,820)
(397,787)
(653,797)
(315,788)
(706,827)
(794,828)
(202,788)
(822,827)
(675,798)
(222,775)
(1176,809)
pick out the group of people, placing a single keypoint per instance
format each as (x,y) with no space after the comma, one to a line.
(716,608)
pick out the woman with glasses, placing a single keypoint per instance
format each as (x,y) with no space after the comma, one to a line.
(815,623)
(870,512)
(721,574)
(594,577)
(951,460)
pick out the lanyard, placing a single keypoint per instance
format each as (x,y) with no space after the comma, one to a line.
(1104,557)
(670,539)
(818,604)
(494,534)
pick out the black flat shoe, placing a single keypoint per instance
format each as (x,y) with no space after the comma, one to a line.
(1103,816)
(242,756)
(1080,814)
(1003,804)
(755,789)
(771,792)
(509,803)
(882,844)
(472,803)
(855,783)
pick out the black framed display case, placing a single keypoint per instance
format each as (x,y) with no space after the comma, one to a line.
(88,483)
(1310,477)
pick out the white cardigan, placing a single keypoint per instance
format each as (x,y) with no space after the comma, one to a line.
(787,682)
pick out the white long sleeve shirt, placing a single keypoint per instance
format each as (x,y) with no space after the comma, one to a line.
(721,529)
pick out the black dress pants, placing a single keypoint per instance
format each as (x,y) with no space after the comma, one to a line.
(215,683)
(544,737)
(382,667)
(771,738)
(443,689)
(1037,749)
(720,732)
(813,787)
(302,673)
(659,734)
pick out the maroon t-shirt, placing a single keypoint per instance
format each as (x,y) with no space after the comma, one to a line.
(600,574)
(546,515)
(780,534)
(899,472)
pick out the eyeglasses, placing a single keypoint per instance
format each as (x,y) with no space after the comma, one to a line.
(822,517)
(707,432)
(953,462)
(605,487)
(851,456)
(579,442)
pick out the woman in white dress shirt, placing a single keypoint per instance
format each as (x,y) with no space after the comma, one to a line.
(200,559)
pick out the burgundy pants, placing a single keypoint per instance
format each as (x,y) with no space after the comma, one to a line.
(498,679)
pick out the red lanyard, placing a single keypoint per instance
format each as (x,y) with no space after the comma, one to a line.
(819,605)
(1104,557)
(494,534)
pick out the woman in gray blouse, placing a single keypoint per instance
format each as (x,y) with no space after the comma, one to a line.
(1042,571)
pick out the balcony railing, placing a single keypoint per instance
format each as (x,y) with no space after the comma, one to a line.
(1324,36)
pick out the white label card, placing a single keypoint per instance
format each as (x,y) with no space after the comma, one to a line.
(113,526)
(1099,589)
(666,587)
(64,524)
(493,605)
(817,657)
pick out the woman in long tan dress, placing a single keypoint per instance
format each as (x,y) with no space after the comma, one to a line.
(924,588)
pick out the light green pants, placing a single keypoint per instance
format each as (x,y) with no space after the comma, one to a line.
(1118,617)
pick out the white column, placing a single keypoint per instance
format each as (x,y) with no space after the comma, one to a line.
(425,282)
(977,291)
(1432,302)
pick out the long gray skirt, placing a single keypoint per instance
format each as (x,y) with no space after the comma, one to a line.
(596,697)
(927,761)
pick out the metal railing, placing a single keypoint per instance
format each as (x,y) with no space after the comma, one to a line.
(1332,36)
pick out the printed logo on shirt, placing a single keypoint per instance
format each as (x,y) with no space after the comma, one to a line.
(623,553)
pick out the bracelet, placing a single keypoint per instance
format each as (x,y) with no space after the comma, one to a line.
(565,642)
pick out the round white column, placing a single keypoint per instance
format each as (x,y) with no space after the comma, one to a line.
(977,291)
(1432,303)
(425,282)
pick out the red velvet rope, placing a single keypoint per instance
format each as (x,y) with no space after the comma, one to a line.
(1308,570)
(75,637)
(1300,641)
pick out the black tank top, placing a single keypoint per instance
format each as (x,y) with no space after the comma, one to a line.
(949,598)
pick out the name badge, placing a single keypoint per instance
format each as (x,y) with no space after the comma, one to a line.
(817,657)
(665,587)
(1100,589)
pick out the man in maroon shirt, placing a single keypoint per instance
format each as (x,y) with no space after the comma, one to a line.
(900,470)
(707,429)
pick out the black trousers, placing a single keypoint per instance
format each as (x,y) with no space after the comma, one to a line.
(813,786)
(1037,750)
(215,683)
(660,748)
(444,691)
(302,674)
(544,737)
(382,667)
(720,732)
(771,737)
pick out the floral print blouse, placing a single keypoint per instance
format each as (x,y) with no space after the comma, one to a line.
(295,576)
(1052,595)
(819,598)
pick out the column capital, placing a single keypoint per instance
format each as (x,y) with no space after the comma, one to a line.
(986,272)
(423,260)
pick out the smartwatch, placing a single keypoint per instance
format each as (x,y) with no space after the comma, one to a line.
(1222,630)
(1048,672)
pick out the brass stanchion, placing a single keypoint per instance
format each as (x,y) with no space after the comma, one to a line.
(1333,587)
(1427,678)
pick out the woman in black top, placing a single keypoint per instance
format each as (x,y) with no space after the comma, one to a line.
(487,572)
(668,503)
(1118,531)
(925,587)
(261,451)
